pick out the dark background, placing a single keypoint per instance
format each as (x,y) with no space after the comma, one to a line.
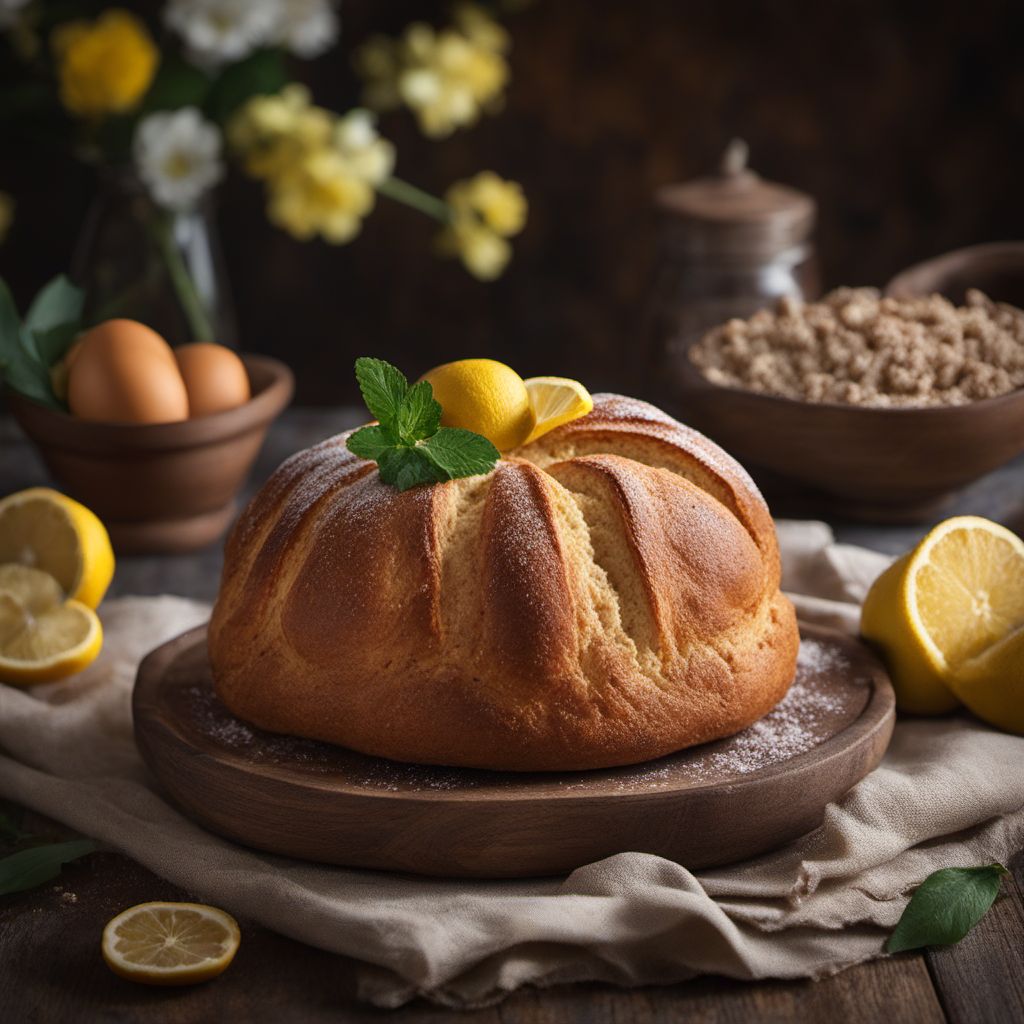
(903,120)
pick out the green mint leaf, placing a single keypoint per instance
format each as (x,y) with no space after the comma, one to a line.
(419,415)
(58,304)
(407,467)
(945,907)
(38,864)
(383,387)
(22,371)
(460,452)
(370,442)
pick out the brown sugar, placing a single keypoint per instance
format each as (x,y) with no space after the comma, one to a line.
(857,348)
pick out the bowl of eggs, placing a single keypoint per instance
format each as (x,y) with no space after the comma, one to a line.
(158,441)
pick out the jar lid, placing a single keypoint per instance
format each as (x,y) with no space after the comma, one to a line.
(736,211)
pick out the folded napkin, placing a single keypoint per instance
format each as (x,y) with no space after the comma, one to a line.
(949,792)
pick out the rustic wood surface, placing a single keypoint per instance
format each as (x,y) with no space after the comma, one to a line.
(51,970)
(319,802)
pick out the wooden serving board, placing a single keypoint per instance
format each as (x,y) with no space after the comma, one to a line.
(714,804)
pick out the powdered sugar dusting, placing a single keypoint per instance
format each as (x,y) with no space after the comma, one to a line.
(828,693)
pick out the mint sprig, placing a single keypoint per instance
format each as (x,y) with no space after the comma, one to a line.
(408,443)
(946,906)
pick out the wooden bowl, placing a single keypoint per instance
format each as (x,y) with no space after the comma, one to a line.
(164,487)
(996,268)
(881,465)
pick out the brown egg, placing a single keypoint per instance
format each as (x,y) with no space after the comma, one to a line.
(215,378)
(124,372)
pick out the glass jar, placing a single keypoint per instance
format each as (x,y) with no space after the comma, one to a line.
(165,269)
(730,244)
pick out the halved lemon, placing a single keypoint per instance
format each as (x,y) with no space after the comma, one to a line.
(42,636)
(555,401)
(942,612)
(47,530)
(170,943)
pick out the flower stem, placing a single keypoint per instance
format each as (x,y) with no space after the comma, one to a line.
(191,303)
(403,192)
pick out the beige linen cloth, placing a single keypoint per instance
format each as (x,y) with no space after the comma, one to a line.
(949,792)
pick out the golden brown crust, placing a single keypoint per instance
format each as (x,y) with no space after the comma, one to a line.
(607,595)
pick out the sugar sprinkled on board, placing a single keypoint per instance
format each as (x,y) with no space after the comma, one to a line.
(799,722)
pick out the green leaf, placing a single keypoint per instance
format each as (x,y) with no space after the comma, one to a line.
(945,907)
(38,864)
(419,415)
(51,345)
(460,452)
(407,467)
(58,304)
(370,442)
(21,370)
(383,387)
(177,84)
(262,73)
(10,322)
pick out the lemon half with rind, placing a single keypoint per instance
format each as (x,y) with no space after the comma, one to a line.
(170,943)
(941,613)
(47,530)
(484,396)
(556,401)
(43,637)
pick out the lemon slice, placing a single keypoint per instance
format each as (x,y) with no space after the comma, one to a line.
(556,400)
(941,611)
(47,530)
(170,943)
(992,684)
(43,637)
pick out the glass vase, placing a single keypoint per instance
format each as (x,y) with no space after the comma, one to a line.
(164,269)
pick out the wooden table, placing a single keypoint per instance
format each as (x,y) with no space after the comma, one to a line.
(51,970)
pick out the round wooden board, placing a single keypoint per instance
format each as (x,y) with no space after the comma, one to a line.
(715,804)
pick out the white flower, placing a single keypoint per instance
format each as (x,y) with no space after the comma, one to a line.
(9,11)
(177,155)
(306,28)
(216,31)
(371,158)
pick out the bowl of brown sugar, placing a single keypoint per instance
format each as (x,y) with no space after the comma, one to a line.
(869,407)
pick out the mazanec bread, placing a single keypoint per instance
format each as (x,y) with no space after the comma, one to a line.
(607,595)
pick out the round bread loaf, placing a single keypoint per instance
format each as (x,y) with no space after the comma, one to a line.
(607,595)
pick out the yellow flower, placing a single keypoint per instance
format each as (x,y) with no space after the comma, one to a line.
(486,210)
(104,67)
(500,204)
(6,214)
(319,194)
(445,77)
(273,132)
(483,252)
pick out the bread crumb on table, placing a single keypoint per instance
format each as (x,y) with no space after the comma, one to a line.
(857,348)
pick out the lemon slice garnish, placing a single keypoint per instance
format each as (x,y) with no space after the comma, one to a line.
(42,636)
(47,530)
(170,943)
(555,401)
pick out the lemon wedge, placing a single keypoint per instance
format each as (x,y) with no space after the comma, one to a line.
(42,636)
(484,396)
(992,684)
(945,616)
(170,943)
(47,530)
(555,401)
